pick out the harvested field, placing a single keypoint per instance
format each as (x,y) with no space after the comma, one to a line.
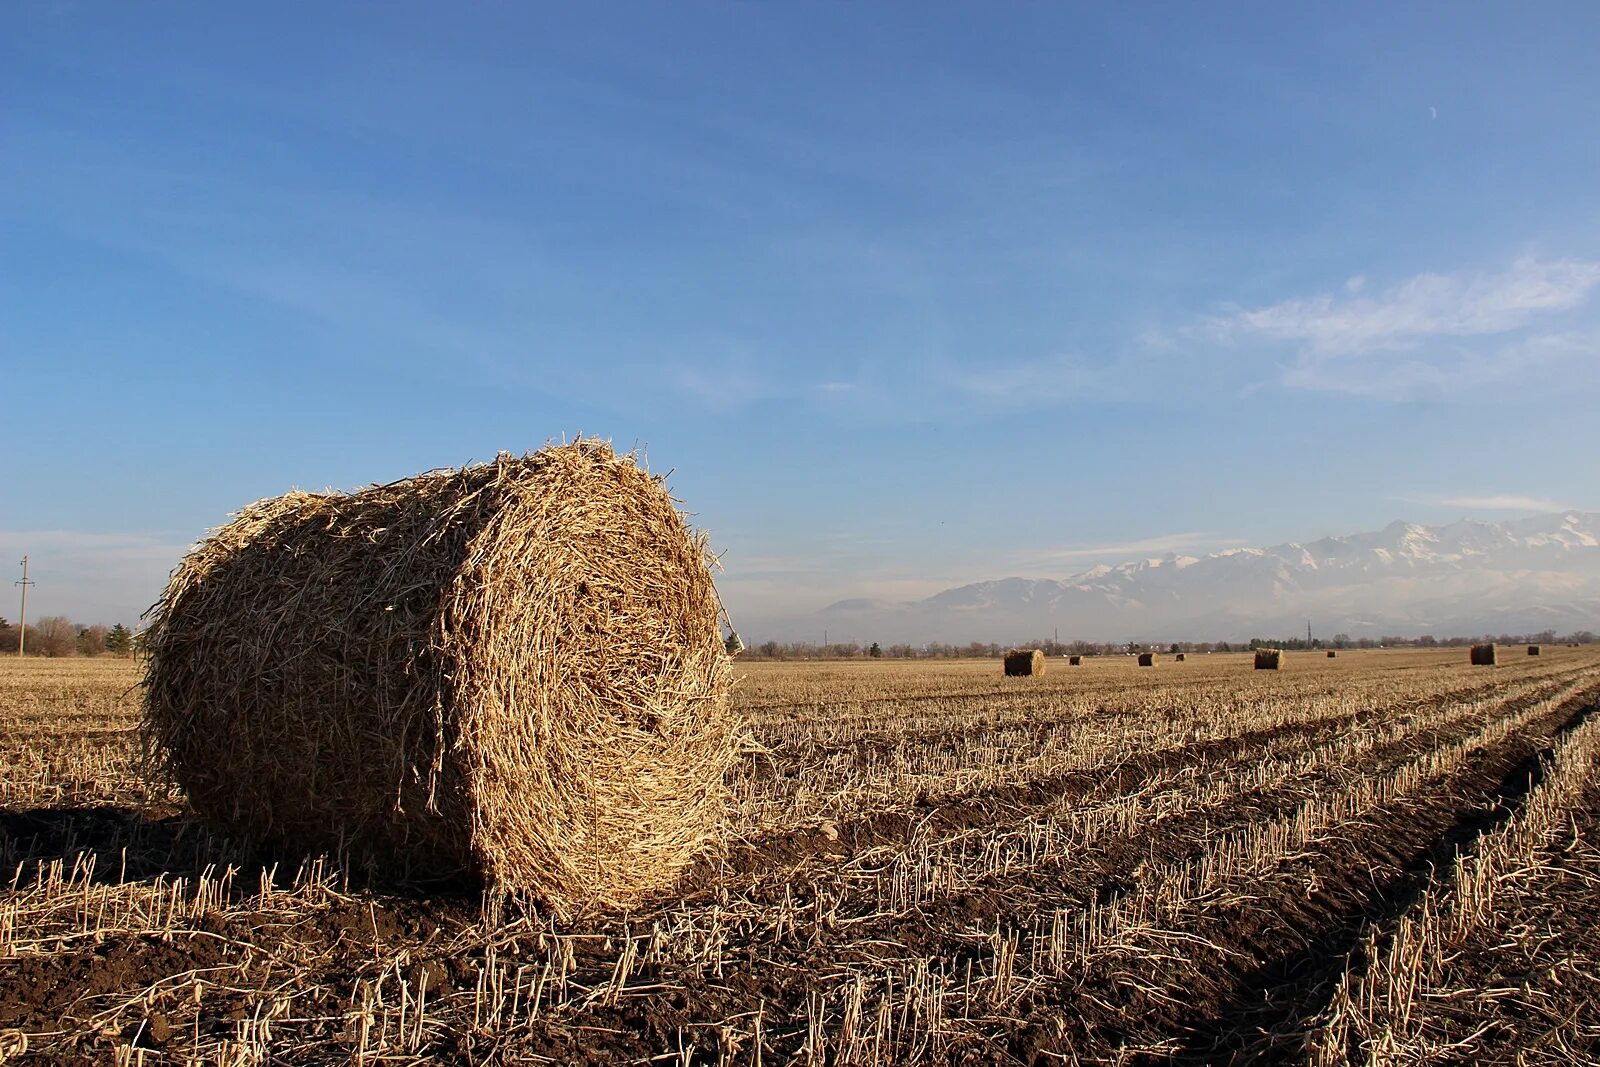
(927,865)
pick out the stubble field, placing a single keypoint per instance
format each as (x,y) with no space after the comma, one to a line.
(1389,856)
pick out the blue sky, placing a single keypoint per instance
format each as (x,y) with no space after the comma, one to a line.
(905,295)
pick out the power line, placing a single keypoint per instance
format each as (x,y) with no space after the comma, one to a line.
(22,624)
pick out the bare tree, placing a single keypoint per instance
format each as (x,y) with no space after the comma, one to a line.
(55,634)
(92,641)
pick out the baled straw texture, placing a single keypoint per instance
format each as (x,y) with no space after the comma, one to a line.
(1269,659)
(511,671)
(1024,661)
(1483,655)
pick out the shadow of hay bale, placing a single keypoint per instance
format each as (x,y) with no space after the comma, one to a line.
(127,846)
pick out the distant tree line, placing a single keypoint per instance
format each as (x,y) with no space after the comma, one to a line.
(853,650)
(57,635)
(1543,637)
(800,650)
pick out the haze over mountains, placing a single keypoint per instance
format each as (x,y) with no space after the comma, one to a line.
(1465,578)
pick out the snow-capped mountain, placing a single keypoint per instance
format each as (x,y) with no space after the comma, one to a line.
(1468,577)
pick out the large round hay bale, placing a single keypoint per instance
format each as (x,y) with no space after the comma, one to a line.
(511,672)
(1269,659)
(1024,661)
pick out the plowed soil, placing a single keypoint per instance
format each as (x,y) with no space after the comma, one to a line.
(979,916)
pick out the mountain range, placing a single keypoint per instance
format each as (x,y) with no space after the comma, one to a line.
(1465,578)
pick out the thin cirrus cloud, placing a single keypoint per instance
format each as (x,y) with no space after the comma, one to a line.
(1125,550)
(1429,337)
(1426,306)
(1503,502)
(1445,370)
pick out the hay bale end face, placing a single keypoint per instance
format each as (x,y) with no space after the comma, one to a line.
(1179,657)
(1147,659)
(1332,654)
(1269,659)
(1074,661)
(511,672)
(1021,662)
(1533,650)
(1483,655)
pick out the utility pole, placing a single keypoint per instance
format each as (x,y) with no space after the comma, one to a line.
(1308,633)
(22,626)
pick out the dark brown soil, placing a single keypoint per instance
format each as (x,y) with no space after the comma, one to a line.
(1240,985)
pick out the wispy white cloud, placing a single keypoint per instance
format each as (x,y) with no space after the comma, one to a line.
(1528,502)
(1448,370)
(1503,502)
(723,385)
(1425,306)
(1025,382)
(1123,551)
(1146,373)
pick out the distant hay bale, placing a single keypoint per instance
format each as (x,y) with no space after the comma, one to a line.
(1074,661)
(1179,657)
(1024,661)
(1332,654)
(511,672)
(1147,659)
(1269,659)
(1533,650)
(1483,655)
